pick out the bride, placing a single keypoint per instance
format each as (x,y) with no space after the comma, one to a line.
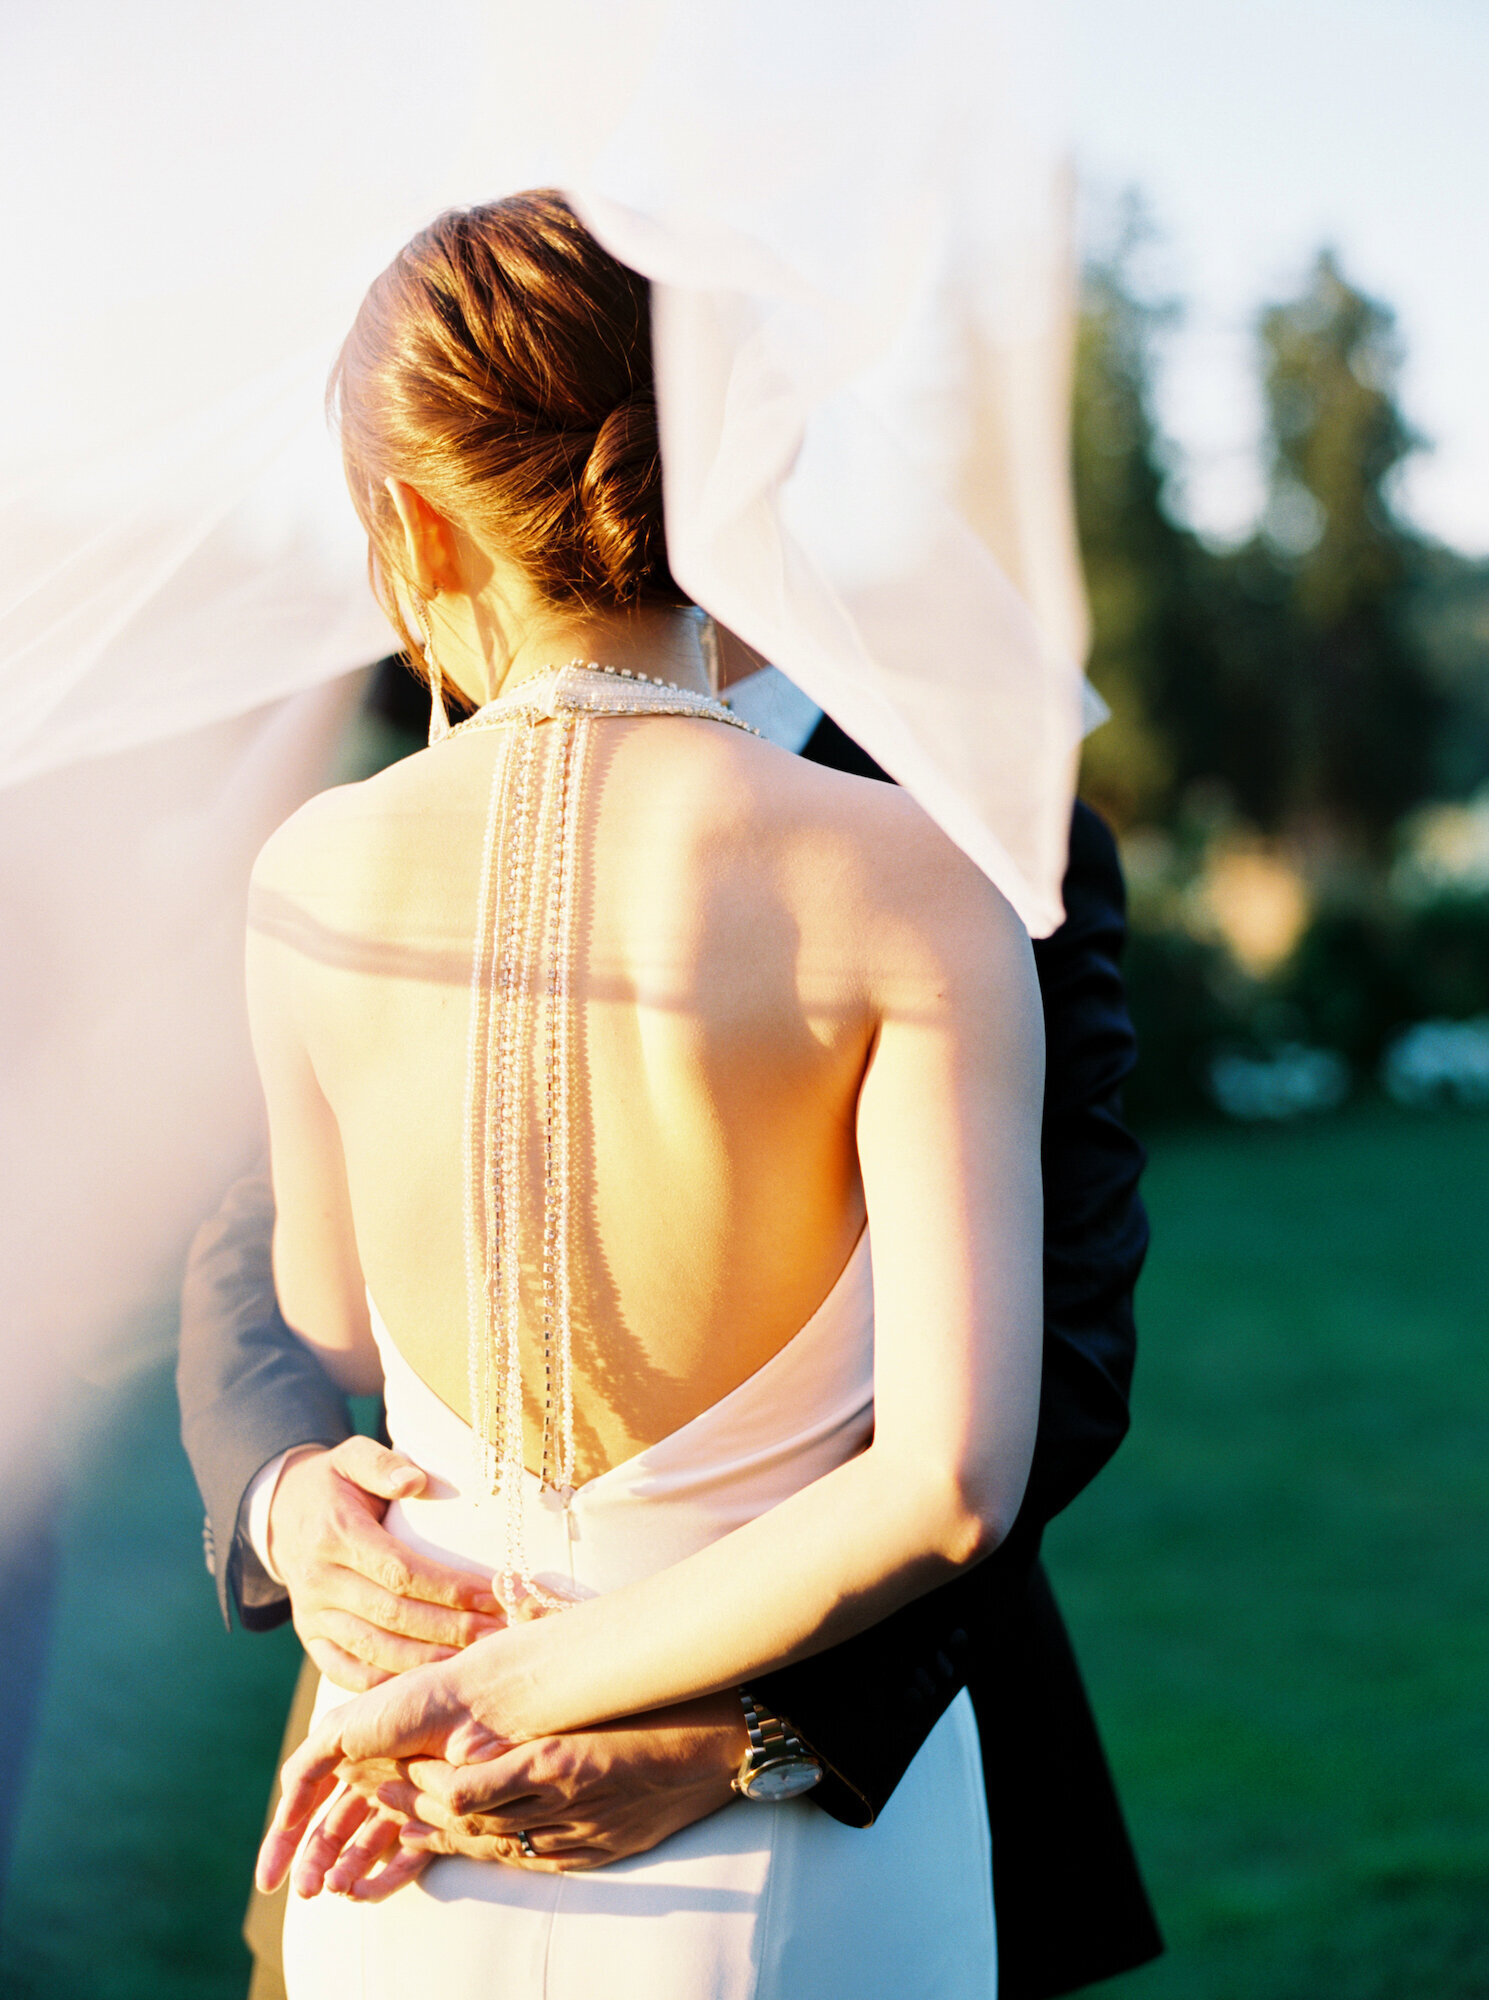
(655,1122)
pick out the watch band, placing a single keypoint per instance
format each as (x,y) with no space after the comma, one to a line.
(770,1735)
(774,1745)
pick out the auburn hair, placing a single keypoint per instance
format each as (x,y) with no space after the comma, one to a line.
(502,367)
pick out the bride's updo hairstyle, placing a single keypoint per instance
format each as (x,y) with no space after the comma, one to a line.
(501,365)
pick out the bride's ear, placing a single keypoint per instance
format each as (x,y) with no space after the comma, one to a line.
(430,541)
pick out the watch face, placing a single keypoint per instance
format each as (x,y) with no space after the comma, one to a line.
(787,1779)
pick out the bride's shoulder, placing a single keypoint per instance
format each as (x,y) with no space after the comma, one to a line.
(312,848)
(335,851)
(869,862)
(900,850)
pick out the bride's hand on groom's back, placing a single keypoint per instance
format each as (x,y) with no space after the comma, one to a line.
(364,1605)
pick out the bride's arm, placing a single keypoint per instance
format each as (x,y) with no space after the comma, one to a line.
(948,1128)
(948,1138)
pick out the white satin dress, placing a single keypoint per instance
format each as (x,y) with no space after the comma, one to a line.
(757,1902)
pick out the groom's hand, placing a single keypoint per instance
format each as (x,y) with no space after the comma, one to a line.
(365,1607)
(630,1784)
(582,1800)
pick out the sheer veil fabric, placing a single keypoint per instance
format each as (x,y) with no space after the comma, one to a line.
(856,222)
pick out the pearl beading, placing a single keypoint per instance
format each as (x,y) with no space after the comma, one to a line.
(518,1066)
(572,689)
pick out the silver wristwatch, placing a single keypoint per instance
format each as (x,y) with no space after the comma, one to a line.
(777,1765)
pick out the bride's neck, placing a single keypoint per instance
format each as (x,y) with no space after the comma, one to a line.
(663,641)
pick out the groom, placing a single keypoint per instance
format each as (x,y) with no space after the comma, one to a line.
(295,1504)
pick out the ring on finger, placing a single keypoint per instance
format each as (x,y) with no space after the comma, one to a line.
(525,1844)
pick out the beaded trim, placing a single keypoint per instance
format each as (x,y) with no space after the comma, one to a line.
(519,1061)
(575,689)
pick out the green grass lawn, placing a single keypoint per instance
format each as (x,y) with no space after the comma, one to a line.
(1279,1590)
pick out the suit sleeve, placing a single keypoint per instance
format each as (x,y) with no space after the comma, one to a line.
(249,1390)
(867,1706)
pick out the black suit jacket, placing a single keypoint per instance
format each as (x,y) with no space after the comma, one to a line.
(1069,1900)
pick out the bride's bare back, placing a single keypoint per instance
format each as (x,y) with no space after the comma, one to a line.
(746,920)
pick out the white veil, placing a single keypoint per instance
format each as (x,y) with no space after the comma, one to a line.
(856,221)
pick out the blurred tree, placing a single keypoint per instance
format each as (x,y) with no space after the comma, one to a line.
(1311,677)
(1447,627)
(1315,684)
(1134,555)
(1328,582)
(1160,600)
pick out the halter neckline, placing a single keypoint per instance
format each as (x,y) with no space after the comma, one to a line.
(585,687)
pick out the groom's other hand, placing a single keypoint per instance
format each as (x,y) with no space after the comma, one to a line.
(365,1606)
(582,1800)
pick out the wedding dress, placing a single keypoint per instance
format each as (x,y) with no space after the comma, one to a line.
(756,1902)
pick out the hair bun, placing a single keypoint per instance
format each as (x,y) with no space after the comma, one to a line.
(502,366)
(620,502)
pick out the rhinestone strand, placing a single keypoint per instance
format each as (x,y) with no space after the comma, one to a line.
(477,1125)
(553,1168)
(514,995)
(563,1066)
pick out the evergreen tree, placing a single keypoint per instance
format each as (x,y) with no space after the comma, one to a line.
(1291,671)
(1354,715)
(1136,560)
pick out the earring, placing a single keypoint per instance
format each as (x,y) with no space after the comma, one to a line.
(439,722)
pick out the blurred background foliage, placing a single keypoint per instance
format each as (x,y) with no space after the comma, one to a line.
(1297,761)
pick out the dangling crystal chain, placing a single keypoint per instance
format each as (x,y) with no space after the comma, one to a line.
(522,964)
(514,998)
(557,1469)
(478,1246)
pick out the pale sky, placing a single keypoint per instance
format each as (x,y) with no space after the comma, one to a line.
(1260,129)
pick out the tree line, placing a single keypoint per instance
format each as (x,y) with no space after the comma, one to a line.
(1330,672)
(1308,691)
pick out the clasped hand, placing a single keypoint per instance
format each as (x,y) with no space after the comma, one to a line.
(414,1774)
